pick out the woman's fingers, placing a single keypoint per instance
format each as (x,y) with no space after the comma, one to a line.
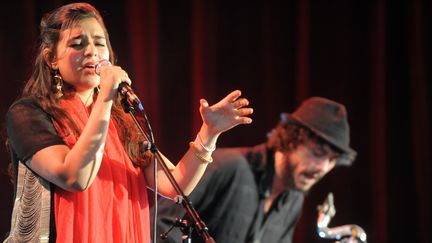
(232,97)
(240,103)
(244,111)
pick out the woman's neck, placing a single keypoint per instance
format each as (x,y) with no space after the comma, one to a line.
(86,97)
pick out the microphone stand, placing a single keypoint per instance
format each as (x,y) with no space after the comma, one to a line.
(186,227)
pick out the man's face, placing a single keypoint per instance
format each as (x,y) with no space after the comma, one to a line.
(304,165)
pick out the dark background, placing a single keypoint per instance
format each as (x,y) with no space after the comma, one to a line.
(374,56)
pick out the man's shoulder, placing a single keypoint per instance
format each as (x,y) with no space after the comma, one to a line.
(241,150)
(238,156)
(238,153)
(230,152)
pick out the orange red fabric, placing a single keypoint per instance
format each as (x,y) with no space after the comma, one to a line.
(115,206)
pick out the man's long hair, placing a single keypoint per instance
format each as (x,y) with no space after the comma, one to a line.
(288,135)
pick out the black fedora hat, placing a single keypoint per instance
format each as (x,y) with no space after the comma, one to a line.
(327,119)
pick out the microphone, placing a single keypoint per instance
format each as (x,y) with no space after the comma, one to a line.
(124,89)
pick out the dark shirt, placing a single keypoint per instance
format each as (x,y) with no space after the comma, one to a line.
(228,198)
(24,120)
(30,129)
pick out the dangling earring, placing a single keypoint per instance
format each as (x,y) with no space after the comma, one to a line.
(57,84)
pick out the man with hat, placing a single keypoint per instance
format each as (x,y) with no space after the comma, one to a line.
(255,194)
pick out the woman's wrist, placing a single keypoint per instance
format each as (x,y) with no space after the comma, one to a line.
(201,142)
(204,144)
(207,138)
(201,154)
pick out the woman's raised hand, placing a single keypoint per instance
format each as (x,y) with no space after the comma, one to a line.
(225,114)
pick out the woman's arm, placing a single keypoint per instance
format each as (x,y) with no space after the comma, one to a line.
(218,118)
(76,168)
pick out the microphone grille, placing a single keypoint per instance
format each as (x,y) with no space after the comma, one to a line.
(101,63)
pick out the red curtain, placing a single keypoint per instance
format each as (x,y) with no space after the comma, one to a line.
(374,56)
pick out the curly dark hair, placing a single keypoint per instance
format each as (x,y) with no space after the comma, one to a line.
(288,135)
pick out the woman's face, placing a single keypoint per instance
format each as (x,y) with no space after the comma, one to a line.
(78,51)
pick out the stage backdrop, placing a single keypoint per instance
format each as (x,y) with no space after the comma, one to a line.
(372,55)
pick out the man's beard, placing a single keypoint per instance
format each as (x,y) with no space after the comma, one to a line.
(290,181)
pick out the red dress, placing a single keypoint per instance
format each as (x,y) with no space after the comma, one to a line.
(115,207)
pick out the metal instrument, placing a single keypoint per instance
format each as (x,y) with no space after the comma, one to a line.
(349,233)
